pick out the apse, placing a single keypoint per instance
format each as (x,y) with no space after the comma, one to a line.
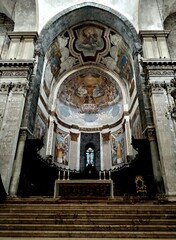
(88,98)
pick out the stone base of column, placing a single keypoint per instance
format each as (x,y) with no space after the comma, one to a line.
(171,197)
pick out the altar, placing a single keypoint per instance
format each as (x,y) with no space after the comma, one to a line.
(83,188)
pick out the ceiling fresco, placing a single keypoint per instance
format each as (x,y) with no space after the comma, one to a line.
(89,99)
(89,40)
(88,43)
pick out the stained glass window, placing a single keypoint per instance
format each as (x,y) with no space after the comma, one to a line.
(89,157)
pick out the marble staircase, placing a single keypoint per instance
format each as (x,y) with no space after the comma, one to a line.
(48,218)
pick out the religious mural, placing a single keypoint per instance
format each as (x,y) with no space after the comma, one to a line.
(89,98)
(40,125)
(124,64)
(120,60)
(89,40)
(96,44)
(136,125)
(117,148)
(52,68)
(62,148)
(40,131)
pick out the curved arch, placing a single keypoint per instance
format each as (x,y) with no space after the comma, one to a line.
(111,74)
(52,103)
(88,12)
(92,12)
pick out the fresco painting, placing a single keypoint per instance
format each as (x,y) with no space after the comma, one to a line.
(52,67)
(89,98)
(40,126)
(89,40)
(118,154)
(62,148)
(136,125)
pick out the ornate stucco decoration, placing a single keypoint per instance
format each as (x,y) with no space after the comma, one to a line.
(88,43)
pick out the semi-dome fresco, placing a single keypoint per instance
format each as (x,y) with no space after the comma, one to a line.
(88,43)
(89,99)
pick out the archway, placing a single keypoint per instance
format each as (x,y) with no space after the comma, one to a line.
(89,90)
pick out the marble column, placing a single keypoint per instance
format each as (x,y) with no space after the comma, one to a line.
(73,151)
(10,129)
(151,135)
(50,137)
(165,137)
(107,161)
(18,163)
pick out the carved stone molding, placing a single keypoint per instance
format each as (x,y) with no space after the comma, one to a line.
(160,72)
(15,68)
(156,87)
(5,73)
(19,87)
(159,67)
(23,35)
(153,33)
(16,63)
(173,82)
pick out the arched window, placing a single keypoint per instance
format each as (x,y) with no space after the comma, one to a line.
(90,157)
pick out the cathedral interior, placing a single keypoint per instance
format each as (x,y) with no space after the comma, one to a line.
(88,92)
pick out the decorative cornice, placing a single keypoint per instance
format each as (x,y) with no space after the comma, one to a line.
(16,68)
(16,63)
(162,85)
(24,35)
(158,62)
(155,33)
(156,87)
(159,67)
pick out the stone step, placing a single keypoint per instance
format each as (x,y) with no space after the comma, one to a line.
(87,221)
(73,200)
(56,215)
(91,205)
(88,227)
(126,207)
(87,211)
(89,234)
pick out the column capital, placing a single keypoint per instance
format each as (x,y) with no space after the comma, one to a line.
(23,35)
(153,33)
(105,136)
(74,136)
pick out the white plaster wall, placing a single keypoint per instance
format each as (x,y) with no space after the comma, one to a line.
(34,14)
(49,8)
(150,15)
(7,7)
